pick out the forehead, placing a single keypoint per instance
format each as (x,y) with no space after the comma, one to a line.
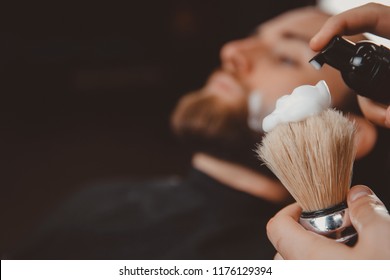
(301,24)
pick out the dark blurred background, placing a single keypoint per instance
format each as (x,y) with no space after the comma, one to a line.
(87,89)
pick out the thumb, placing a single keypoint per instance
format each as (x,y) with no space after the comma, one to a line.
(367,211)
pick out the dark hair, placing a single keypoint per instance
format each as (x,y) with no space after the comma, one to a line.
(205,124)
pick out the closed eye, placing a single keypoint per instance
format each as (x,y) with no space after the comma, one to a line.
(288,61)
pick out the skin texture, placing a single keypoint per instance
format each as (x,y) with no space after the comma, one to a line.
(368,214)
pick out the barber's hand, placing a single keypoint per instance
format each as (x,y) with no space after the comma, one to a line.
(373,18)
(368,215)
(375,112)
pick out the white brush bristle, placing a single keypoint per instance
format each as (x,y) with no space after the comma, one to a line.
(313,158)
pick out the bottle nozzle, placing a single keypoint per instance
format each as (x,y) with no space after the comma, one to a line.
(317,62)
(364,66)
(337,54)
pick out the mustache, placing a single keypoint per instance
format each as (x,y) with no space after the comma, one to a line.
(233,75)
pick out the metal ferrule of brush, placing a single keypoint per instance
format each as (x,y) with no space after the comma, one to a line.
(333,222)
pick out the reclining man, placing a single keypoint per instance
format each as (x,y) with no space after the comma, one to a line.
(219,211)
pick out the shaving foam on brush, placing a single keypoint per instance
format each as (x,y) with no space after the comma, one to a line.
(311,149)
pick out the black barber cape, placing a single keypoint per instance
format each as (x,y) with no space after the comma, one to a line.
(194,218)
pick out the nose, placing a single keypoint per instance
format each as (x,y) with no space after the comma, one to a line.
(237,56)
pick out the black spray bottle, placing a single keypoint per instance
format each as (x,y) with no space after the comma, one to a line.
(364,66)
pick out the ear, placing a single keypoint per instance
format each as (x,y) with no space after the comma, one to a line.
(324,91)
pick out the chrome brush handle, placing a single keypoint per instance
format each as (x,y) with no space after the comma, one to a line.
(333,223)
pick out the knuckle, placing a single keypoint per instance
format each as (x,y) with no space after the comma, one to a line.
(365,212)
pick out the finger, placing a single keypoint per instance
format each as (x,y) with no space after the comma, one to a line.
(375,112)
(367,211)
(367,18)
(387,118)
(278,257)
(366,135)
(292,241)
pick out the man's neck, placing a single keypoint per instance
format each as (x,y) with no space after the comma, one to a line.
(240,178)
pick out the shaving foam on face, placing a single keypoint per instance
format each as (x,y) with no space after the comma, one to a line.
(303,102)
(255,110)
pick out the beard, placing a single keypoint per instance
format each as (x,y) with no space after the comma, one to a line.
(205,124)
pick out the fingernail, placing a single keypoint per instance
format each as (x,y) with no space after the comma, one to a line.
(358,191)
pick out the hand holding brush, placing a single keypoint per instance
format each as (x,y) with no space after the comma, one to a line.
(368,215)
(311,150)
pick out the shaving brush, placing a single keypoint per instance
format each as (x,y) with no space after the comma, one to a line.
(313,158)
